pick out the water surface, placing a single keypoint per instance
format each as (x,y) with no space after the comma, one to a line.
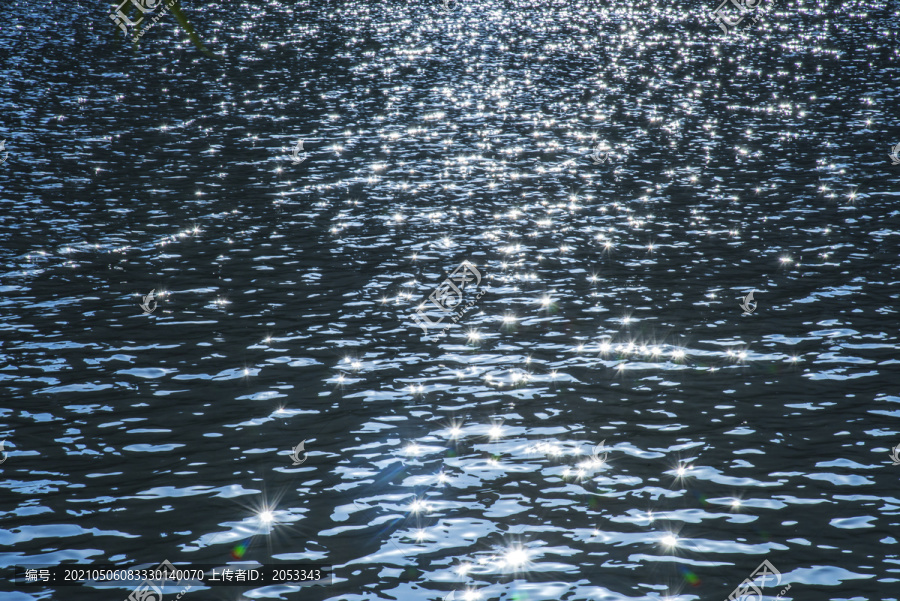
(753,161)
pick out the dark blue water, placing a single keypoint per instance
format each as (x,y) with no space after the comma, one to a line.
(603,423)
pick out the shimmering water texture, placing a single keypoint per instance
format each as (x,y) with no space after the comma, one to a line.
(605,422)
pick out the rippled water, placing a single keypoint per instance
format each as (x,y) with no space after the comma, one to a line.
(603,423)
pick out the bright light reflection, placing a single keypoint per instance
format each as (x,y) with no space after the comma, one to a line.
(515,557)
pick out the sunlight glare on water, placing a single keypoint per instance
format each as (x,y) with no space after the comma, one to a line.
(621,175)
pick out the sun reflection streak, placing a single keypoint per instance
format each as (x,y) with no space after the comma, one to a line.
(455,429)
(419,506)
